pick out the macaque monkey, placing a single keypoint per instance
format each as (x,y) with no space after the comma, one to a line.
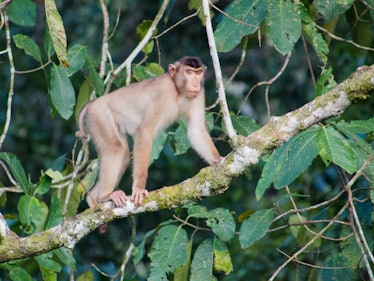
(142,109)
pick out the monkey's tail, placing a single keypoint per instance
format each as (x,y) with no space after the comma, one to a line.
(82,114)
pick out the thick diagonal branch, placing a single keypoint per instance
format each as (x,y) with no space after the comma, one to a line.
(208,182)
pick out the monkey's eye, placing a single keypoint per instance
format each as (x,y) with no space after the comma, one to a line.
(189,71)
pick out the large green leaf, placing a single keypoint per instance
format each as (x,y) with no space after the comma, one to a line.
(22,12)
(57,31)
(26,43)
(255,227)
(301,151)
(245,17)
(32,213)
(62,92)
(202,262)
(283,23)
(331,9)
(333,147)
(15,167)
(289,161)
(169,251)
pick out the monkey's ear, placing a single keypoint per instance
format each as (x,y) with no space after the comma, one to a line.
(172,69)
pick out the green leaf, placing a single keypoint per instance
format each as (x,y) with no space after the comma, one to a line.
(182,144)
(158,145)
(314,37)
(222,223)
(66,257)
(333,147)
(19,274)
(169,250)
(283,24)
(17,171)
(244,125)
(62,92)
(28,45)
(141,31)
(57,31)
(202,262)
(22,12)
(94,78)
(32,213)
(301,150)
(54,215)
(222,258)
(326,77)
(84,96)
(182,273)
(140,249)
(255,227)
(77,58)
(86,276)
(42,187)
(271,169)
(46,262)
(331,9)
(245,18)
(48,45)
(195,210)
(144,72)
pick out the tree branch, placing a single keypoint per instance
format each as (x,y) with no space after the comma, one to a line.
(208,182)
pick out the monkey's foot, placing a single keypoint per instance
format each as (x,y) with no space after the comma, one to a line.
(118,197)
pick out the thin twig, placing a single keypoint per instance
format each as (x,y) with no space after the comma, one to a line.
(127,63)
(269,82)
(360,236)
(333,36)
(217,69)
(307,245)
(104,46)
(4,18)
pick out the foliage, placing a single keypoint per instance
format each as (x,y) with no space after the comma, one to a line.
(312,212)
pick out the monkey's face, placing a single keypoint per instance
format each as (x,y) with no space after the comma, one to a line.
(194,78)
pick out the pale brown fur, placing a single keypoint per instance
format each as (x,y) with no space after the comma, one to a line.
(142,109)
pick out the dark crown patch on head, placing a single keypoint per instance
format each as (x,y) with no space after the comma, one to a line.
(194,62)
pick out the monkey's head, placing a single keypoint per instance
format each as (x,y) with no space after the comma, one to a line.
(188,75)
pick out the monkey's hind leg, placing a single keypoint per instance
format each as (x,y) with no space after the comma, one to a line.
(114,155)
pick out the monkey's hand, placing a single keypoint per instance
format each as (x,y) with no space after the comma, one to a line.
(137,195)
(218,160)
(118,197)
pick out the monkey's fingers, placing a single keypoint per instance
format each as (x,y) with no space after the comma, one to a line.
(118,197)
(137,196)
(218,160)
